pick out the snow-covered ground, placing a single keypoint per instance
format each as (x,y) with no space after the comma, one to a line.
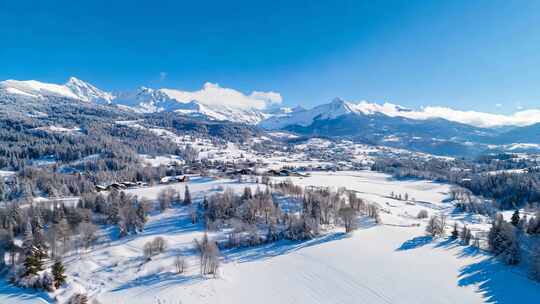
(389,263)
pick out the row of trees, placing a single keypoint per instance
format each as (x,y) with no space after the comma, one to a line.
(508,190)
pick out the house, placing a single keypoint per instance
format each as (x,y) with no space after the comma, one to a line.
(174,179)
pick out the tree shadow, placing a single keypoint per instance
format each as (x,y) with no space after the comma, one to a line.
(499,283)
(173,225)
(13,294)
(415,242)
(159,281)
(270,250)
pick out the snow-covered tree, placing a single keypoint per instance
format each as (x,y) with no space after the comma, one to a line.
(503,241)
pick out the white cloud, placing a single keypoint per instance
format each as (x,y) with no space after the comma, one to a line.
(498,105)
(214,95)
(474,118)
(521,118)
(270,97)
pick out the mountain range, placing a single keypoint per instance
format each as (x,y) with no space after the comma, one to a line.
(435,130)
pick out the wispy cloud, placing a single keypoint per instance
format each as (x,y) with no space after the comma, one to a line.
(162,76)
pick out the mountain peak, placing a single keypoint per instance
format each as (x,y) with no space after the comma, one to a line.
(73,89)
(74,80)
(87,92)
(337,101)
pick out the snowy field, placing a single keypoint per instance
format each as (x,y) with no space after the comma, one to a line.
(389,263)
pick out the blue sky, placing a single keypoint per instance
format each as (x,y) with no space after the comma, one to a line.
(478,55)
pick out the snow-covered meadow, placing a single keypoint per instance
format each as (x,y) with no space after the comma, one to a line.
(393,262)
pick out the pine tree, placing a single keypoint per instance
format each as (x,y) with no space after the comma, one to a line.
(58,273)
(504,241)
(29,268)
(187,196)
(33,263)
(455,233)
(515,218)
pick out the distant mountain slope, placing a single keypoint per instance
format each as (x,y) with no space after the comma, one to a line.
(432,129)
(393,125)
(527,134)
(212,101)
(73,89)
(147,100)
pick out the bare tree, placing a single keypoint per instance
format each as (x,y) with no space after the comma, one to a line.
(165,198)
(209,255)
(348,216)
(436,225)
(180,263)
(87,233)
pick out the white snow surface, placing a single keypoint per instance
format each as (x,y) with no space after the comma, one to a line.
(389,263)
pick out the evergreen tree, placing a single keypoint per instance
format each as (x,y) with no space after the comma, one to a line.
(187,196)
(503,241)
(515,218)
(455,233)
(58,273)
(33,263)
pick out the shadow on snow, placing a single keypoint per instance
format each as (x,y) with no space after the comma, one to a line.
(497,282)
(266,251)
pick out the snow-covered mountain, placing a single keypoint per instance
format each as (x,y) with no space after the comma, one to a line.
(389,125)
(362,121)
(212,101)
(74,89)
(339,107)
(303,117)
(147,100)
